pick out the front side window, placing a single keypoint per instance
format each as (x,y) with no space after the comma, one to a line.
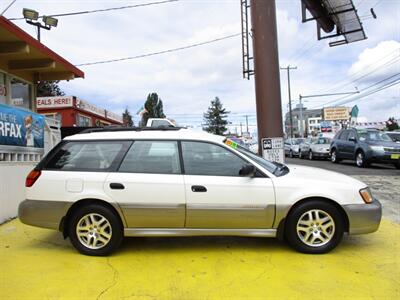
(352,135)
(154,157)
(344,135)
(201,158)
(90,156)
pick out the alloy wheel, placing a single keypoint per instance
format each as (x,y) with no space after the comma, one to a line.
(94,231)
(315,228)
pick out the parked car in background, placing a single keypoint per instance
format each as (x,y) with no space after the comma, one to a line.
(394,135)
(292,146)
(365,146)
(315,148)
(99,186)
(304,146)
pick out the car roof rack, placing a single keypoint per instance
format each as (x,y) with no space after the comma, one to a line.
(121,128)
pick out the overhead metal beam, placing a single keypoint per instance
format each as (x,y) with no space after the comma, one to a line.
(7,48)
(31,64)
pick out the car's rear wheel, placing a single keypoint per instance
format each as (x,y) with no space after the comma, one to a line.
(334,157)
(314,227)
(95,230)
(361,162)
(397,165)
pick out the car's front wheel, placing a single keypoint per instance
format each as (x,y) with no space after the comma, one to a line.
(314,227)
(95,230)
(361,161)
(334,157)
(310,155)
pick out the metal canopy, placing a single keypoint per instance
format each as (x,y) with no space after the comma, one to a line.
(342,13)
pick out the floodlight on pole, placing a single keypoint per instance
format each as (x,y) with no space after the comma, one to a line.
(50,21)
(31,16)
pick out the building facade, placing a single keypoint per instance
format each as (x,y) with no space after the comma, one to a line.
(72,111)
(309,118)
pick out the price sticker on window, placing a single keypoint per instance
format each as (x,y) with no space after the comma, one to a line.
(231,144)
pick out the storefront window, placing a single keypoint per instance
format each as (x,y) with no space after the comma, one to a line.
(3,89)
(21,93)
(83,121)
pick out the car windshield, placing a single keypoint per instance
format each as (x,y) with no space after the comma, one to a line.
(321,141)
(275,168)
(375,136)
(298,141)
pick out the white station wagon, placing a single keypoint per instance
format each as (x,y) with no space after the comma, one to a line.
(99,186)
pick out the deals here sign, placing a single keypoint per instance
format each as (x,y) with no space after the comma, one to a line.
(21,128)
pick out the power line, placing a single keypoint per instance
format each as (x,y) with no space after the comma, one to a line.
(362,94)
(159,52)
(8,6)
(103,10)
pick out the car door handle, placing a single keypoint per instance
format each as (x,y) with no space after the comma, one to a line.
(116,186)
(199,189)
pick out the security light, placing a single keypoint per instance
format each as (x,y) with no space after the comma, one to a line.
(50,21)
(30,14)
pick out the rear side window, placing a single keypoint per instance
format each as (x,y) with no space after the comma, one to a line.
(87,156)
(154,157)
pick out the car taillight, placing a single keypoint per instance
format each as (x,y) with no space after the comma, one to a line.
(32,177)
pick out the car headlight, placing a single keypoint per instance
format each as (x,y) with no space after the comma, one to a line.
(366,195)
(377,148)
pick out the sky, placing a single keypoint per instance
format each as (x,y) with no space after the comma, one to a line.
(188,80)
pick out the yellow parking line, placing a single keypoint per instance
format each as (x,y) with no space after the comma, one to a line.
(38,264)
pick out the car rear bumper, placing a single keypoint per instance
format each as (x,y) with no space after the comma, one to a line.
(46,214)
(364,218)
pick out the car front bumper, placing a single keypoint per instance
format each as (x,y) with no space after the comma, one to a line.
(321,154)
(364,218)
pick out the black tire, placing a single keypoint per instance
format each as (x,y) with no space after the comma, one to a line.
(397,166)
(114,228)
(295,239)
(334,157)
(361,161)
(310,155)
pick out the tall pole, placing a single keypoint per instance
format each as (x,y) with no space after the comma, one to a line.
(301,116)
(288,68)
(266,67)
(247,124)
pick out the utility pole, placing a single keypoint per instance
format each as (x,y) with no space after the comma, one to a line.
(241,131)
(247,124)
(288,68)
(266,67)
(301,116)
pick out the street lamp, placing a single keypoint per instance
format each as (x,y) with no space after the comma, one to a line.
(31,16)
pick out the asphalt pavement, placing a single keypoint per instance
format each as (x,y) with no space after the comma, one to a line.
(346,167)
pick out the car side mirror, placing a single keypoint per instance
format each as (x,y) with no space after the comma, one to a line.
(248,170)
(353,139)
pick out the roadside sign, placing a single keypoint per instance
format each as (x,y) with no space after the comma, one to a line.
(272,149)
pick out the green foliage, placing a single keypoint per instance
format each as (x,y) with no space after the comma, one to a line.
(127,118)
(49,89)
(215,118)
(391,124)
(153,107)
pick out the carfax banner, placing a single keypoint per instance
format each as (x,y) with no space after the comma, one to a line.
(21,128)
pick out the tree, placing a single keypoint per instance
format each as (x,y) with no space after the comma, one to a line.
(49,89)
(127,118)
(392,124)
(153,108)
(215,118)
